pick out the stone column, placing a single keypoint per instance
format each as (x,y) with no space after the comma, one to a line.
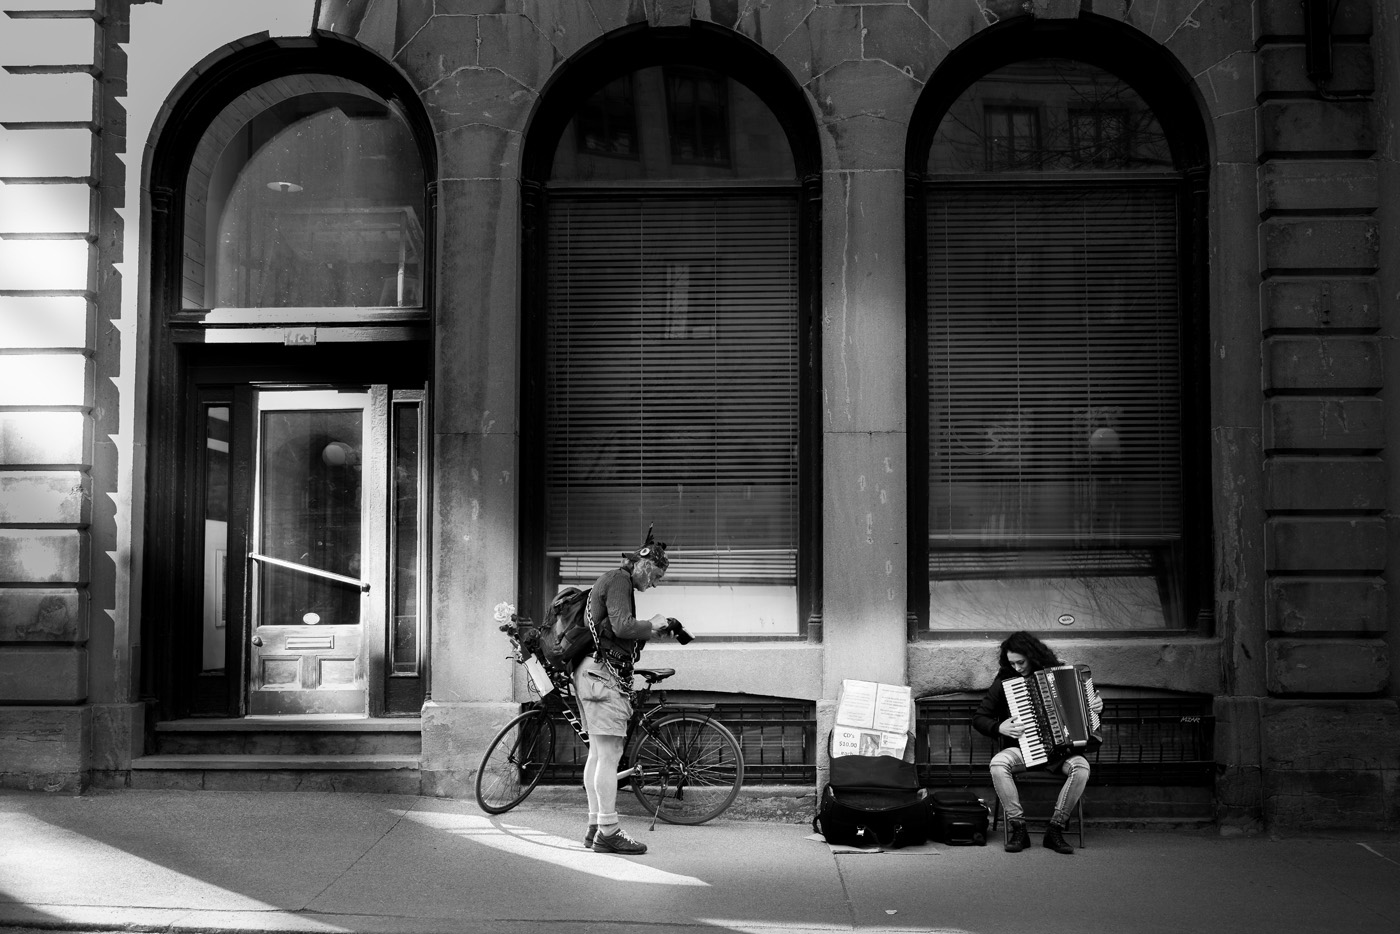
(867,100)
(470,70)
(48,107)
(1325,480)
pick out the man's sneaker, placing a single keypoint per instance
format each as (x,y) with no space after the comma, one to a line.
(588,837)
(1018,839)
(618,842)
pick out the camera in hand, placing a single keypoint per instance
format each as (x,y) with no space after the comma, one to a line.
(674,627)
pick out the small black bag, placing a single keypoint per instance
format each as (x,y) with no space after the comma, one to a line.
(872,801)
(959,818)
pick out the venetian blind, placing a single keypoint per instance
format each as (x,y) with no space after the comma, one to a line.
(1054,379)
(672,383)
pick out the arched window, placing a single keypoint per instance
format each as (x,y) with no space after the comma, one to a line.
(306,191)
(1057,349)
(670,305)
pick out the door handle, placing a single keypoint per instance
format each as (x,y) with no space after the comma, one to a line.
(315,572)
(257,640)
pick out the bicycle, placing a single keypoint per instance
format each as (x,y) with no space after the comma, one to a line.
(684,766)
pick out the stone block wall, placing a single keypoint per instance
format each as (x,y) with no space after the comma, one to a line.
(50,123)
(1305,705)
(1325,762)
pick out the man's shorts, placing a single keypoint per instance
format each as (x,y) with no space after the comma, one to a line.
(602,707)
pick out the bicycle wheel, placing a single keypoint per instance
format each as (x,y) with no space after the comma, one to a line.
(515,762)
(689,768)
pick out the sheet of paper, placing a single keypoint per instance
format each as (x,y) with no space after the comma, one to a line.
(857,704)
(892,744)
(539,676)
(892,708)
(849,741)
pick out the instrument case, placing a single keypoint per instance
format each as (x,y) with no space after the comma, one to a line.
(958,817)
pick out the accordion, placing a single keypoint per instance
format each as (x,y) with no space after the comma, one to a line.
(1053,706)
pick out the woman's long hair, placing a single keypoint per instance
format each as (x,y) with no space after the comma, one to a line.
(1036,652)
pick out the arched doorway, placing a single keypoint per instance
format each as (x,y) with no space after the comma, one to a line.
(291,309)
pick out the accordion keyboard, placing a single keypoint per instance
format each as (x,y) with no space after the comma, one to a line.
(1018,696)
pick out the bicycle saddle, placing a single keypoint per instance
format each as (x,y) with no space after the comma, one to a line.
(653,675)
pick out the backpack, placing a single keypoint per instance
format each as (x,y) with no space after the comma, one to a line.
(873,801)
(565,639)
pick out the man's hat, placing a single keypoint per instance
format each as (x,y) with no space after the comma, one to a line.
(651,549)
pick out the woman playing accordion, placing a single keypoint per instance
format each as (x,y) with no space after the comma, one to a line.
(1021,656)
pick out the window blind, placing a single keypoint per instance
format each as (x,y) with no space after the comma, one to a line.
(672,382)
(1054,379)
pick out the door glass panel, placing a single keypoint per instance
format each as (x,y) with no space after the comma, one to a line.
(215,618)
(309,507)
(405,529)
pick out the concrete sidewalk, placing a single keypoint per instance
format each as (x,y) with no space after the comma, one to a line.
(311,862)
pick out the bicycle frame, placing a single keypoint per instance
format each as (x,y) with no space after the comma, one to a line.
(685,765)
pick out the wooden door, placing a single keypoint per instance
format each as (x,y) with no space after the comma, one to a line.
(315,560)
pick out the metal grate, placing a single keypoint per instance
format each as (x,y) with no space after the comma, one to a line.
(777,739)
(1146,741)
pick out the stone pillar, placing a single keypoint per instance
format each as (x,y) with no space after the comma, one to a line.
(48,107)
(1325,490)
(1385,45)
(864,367)
(479,120)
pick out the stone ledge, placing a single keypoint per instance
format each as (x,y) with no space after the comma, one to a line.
(286,763)
(365,781)
(310,724)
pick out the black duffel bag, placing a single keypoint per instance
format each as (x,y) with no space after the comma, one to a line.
(884,818)
(873,801)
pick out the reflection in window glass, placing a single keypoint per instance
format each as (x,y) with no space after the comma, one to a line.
(1049,115)
(405,519)
(697,104)
(1055,483)
(309,510)
(215,615)
(606,124)
(696,107)
(305,192)
(1013,138)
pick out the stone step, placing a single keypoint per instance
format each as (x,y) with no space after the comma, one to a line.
(284,736)
(283,762)
(366,773)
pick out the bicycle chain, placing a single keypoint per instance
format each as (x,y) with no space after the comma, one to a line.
(624,687)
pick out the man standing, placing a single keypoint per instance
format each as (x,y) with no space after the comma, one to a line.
(603,685)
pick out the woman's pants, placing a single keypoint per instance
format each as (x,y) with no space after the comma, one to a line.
(1009,763)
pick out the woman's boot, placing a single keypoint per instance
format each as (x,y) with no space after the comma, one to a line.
(1019,839)
(1055,839)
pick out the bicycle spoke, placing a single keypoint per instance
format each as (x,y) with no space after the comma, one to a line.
(689,769)
(515,762)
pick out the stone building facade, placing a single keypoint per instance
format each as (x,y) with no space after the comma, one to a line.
(866,163)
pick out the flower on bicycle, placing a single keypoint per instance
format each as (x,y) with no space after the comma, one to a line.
(504,612)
